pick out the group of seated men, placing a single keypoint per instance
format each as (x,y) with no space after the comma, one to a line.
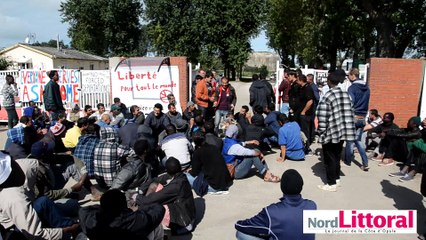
(156,159)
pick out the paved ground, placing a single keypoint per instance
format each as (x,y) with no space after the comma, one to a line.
(373,190)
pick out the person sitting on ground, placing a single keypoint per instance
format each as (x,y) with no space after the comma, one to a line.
(129,132)
(21,137)
(416,157)
(235,153)
(88,111)
(16,210)
(282,220)
(85,148)
(157,121)
(189,111)
(172,114)
(75,114)
(176,145)
(290,140)
(116,116)
(112,219)
(173,191)
(104,121)
(28,111)
(71,137)
(374,119)
(397,149)
(138,170)
(210,137)
(208,161)
(271,121)
(56,133)
(380,131)
(259,132)
(108,155)
(122,106)
(101,111)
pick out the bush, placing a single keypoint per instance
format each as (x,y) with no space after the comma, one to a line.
(263,71)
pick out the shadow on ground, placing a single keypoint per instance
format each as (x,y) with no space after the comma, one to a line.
(406,199)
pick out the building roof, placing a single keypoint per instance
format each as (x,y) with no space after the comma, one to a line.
(58,54)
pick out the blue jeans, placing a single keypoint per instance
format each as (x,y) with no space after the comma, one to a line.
(191,180)
(50,213)
(243,236)
(218,116)
(349,149)
(243,168)
(285,108)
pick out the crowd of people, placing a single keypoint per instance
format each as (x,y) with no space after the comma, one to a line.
(144,168)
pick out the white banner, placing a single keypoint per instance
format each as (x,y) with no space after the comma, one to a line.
(144,86)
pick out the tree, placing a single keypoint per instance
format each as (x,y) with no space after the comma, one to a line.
(398,24)
(51,43)
(202,30)
(104,27)
(4,63)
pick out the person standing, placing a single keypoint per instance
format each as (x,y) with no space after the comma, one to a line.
(283,90)
(335,125)
(225,101)
(359,93)
(52,96)
(10,91)
(305,113)
(204,94)
(260,93)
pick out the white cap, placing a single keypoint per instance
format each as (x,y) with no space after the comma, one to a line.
(5,167)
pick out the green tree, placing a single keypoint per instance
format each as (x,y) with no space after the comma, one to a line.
(263,71)
(398,24)
(51,43)
(204,30)
(104,27)
(4,63)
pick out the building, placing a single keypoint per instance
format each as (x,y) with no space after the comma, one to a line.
(24,56)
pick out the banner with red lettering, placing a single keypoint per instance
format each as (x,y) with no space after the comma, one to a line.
(32,82)
(144,86)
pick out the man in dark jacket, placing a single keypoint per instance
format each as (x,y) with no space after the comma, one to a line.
(173,191)
(261,92)
(52,96)
(113,220)
(208,160)
(282,220)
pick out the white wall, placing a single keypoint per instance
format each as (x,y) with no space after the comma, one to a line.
(21,54)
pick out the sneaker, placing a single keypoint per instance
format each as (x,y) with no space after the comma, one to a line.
(365,168)
(338,183)
(326,187)
(406,178)
(376,159)
(218,193)
(397,174)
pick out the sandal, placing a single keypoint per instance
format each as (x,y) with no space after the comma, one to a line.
(272,178)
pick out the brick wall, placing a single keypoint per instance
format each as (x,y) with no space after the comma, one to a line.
(395,86)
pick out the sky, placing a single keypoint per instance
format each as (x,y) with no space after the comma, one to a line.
(41,18)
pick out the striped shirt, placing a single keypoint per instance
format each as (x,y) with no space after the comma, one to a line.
(335,117)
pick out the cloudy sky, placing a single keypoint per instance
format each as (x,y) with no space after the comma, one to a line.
(41,18)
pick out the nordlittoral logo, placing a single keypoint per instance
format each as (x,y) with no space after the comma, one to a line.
(360,221)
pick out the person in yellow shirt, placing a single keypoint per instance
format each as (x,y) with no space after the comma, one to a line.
(71,137)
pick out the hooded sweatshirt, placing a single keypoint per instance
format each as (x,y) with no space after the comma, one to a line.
(260,94)
(360,96)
